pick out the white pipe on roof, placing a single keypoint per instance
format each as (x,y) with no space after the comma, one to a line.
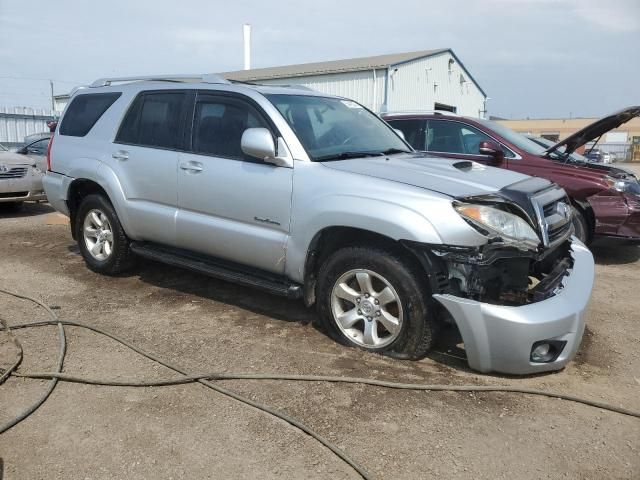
(246,30)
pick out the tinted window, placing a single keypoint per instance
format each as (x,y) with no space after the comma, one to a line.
(154,120)
(413,131)
(84,111)
(456,137)
(219,124)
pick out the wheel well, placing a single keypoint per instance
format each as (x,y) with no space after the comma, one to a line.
(587,212)
(79,189)
(332,239)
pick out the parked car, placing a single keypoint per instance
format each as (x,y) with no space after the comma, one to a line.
(605,199)
(313,196)
(36,148)
(20,179)
(575,157)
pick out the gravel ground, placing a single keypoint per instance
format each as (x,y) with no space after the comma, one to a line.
(204,325)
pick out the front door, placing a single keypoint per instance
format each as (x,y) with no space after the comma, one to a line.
(230,205)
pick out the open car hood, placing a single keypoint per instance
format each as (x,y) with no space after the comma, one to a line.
(595,130)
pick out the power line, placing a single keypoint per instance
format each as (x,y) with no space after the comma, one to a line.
(41,79)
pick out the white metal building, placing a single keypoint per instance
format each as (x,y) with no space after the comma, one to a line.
(423,80)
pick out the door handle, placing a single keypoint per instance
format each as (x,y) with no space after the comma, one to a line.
(120,155)
(193,167)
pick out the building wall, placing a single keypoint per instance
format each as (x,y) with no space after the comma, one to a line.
(364,87)
(18,122)
(564,127)
(415,85)
(419,84)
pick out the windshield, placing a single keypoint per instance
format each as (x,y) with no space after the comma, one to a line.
(559,153)
(333,128)
(514,138)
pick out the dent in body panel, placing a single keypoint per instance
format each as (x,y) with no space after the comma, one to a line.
(610,211)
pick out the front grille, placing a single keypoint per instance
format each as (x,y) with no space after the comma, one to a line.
(15,172)
(553,210)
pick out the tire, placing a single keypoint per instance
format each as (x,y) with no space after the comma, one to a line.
(580,226)
(389,273)
(115,256)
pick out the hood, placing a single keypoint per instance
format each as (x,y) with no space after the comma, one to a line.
(456,178)
(595,130)
(10,158)
(612,171)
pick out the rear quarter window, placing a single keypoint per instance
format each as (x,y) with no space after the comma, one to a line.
(84,111)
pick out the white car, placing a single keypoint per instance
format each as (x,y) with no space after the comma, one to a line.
(20,179)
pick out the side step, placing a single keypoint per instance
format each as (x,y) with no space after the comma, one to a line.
(217,268)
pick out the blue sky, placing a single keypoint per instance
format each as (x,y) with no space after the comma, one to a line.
(534,58)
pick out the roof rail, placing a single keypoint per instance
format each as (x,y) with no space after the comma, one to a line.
(204,78)
(421,112)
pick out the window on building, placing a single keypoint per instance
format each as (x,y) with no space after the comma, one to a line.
(444,108)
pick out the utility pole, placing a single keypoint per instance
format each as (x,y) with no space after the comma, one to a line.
(53,103)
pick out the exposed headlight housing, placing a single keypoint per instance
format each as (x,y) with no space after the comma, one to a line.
(623,185)
(494,222)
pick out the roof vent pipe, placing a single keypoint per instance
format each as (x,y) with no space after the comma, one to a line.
(246,30)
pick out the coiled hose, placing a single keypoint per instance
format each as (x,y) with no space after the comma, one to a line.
(206,380)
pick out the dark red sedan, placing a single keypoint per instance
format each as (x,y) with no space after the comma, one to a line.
(606,199)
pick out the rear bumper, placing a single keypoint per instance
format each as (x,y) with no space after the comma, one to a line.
(500,338)
(56,187)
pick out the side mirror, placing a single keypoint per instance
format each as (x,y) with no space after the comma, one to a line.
(400,133)
(492,150)
(258,143)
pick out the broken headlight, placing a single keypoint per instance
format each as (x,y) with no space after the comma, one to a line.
(494,222)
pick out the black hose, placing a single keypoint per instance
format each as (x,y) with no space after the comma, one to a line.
(7,373)
(205,378)
(264,408)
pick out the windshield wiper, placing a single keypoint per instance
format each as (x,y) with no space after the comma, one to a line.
(346,155)
(391,151)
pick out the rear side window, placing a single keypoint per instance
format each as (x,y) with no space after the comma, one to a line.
(84,111)
(154,120)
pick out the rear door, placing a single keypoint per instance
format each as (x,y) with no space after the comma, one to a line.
(231,206)
(145,156)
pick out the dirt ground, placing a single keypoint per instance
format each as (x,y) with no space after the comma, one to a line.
(180,432)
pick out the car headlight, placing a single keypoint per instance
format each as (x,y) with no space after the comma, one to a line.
(623,185)
(489,220)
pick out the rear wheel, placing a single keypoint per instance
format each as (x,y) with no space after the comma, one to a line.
(580,225)
(101,239)
(376,300)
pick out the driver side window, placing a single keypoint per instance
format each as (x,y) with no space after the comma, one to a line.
(456,137)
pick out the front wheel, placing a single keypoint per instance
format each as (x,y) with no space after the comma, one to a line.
(376,300)
(580,225)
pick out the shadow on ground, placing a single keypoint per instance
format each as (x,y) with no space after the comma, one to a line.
(616,255)
(27,209)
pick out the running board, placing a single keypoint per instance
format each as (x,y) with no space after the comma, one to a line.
(216,268)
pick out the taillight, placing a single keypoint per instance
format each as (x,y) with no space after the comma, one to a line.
(49,154)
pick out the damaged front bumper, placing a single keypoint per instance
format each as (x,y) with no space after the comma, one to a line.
(501,338)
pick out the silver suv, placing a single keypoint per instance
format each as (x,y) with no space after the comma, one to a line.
(312,196)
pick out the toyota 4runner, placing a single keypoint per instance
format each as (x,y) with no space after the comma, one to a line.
(312,196)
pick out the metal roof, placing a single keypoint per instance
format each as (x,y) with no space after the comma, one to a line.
(336,66)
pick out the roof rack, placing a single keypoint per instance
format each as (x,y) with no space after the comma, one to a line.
(204,78)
